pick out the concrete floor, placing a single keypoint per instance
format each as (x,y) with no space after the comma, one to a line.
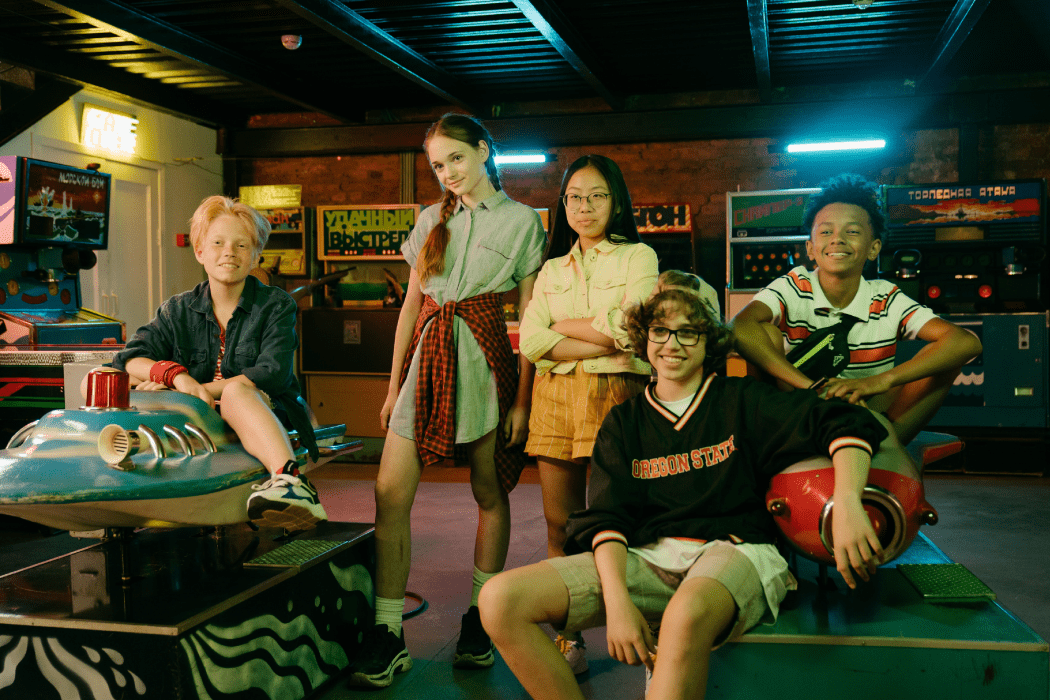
(997,526)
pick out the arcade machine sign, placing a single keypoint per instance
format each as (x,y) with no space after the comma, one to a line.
(976,255)
(764,240)
(52,220)
(968,248)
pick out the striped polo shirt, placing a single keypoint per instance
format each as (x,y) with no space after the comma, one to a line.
(884,312)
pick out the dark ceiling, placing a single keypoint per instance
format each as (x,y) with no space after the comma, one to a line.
(374,62)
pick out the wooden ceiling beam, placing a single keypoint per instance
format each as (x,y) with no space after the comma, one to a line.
(960,22)
(758,19)
(889,114)
(76,69)
(127,21)
(556,29)
(351,28)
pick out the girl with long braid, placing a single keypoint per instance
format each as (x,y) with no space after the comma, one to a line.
(454,380)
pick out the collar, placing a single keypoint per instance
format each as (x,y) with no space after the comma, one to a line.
(603,247)
(679,421)
(490,202)
(858,308)
(202,301)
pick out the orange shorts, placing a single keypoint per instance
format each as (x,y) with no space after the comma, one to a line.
(568,409)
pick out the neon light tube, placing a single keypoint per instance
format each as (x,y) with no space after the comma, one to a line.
(521,158)
(835,146)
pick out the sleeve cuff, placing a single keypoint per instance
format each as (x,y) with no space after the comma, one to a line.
(838,443)
(537,344)
(607,536)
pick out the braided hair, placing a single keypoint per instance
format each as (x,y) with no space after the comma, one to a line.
(469,130)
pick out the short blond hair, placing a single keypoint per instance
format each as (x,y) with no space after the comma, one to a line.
(255,224)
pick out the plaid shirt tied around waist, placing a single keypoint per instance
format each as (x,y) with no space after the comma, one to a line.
(435,421)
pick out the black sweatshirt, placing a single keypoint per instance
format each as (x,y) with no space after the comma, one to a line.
(704,475)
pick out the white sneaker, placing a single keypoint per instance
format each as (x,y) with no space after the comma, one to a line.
(286,501)
(649,674)
(574,651)
(655,631)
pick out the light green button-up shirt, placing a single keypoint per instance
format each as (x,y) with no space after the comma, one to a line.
(490,249)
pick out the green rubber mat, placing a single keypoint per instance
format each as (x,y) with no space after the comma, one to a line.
(946,583)
(295,553)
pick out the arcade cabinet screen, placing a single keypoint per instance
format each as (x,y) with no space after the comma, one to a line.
(64,206)
(957,207)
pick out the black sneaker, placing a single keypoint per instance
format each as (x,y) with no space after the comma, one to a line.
(382,654)
(474,648)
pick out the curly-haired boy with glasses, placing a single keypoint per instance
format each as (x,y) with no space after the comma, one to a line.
(676,531)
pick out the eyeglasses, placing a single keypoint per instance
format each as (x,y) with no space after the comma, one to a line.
(687,337)
(595,201)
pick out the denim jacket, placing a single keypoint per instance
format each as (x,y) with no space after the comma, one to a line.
(260,344)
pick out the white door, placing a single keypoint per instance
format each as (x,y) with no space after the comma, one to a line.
(125,284)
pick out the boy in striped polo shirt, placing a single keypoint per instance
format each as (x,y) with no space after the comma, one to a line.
(845,226)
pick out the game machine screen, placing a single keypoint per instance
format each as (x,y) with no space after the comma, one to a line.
(53,218)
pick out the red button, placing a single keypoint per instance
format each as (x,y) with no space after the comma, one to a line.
(984,291)
(933,291)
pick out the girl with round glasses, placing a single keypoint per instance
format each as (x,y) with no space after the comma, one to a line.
(594,264)
(454,380)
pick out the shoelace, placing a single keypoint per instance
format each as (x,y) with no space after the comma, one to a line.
(278,480)
(564,645)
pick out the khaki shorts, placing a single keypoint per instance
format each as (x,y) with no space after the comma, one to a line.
(568,409)
(651,588)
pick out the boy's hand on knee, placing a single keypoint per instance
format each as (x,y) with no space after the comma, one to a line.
(857,548)
(628,635)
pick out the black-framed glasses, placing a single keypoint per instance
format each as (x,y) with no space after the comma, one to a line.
(687,337)
(595,200)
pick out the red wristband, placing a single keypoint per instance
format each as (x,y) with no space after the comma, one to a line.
(165,371)
(171,373)
(156,372)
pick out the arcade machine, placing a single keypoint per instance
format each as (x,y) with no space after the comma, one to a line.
(764,240)
(160,589)
(925,626)
(52,220)
(667,229)
(976,255)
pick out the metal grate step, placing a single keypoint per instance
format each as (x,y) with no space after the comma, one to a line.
(946,583)
(295,553)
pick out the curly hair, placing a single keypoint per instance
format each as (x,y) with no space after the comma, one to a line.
(255,224)
(847,188)
(718,338)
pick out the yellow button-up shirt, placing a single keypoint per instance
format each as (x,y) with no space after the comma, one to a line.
(597,283)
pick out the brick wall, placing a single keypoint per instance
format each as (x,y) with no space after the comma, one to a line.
(697,172)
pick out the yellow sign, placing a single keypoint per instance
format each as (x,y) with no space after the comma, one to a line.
(364,232)
(111,131)
(272,196)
